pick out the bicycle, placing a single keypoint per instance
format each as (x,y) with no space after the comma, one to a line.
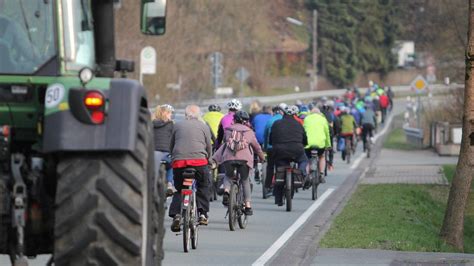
(346,153)
(290,183)
(367,140)
(314,173)
(236,206)
(189,210)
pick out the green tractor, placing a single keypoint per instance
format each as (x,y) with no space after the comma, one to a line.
(76,148)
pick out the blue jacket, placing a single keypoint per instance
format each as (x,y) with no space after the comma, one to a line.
(259,123)
(268,129)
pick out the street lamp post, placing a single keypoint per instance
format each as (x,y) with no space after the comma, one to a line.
(314,30)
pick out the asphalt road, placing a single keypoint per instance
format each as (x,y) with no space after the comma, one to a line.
(267,231)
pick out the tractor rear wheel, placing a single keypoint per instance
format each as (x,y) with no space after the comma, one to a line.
(107,206)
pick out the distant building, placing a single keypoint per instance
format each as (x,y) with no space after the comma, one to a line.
(405,51)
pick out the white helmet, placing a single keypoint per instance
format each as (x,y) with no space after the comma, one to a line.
(168,107)
(283,106)
(234,104)
(292,110)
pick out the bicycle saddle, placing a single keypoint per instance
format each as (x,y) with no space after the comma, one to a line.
(189,173)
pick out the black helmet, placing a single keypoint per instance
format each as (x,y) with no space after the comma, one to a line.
(241,117)
(214,108)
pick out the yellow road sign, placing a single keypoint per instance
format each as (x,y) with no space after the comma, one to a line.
(419,83)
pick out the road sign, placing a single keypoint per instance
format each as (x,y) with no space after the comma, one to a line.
(224,91)
(217,69)
(419,84)
(242,74)
(148,60)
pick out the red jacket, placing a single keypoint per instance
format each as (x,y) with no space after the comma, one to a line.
(384,101)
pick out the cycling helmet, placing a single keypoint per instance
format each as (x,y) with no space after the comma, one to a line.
(214,108)
(282,106)
(292,110)
(234,104)
(241,117)
(304,108)
(168,107)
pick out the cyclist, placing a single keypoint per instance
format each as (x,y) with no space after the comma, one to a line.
(254,109)
(213,117)
(288,139)
(384,104)
(296,111)
(241,159)
(316,127)
(334,129)
(390,95)
(162,129)
(278,112)
(348,126)
(191,147)
(260,121)
(369,123)
(227,120)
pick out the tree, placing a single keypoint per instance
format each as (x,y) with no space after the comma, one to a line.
(355,36)
(452,230)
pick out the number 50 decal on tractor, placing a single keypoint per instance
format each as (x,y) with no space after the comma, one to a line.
(76,160)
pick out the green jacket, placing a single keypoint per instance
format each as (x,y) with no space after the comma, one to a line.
(317,131)
(347,124)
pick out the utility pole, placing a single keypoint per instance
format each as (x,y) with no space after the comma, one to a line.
(452,230)
(314,76)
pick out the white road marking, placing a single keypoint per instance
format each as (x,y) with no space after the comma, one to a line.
(387,125)
(270,252)
(361,156)
(357,161)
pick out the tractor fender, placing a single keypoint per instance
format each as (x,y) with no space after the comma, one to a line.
(63,131)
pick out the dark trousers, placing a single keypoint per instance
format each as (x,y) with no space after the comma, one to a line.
(278,190)
(270,169)
(367,131)
(384,114)
(202,190)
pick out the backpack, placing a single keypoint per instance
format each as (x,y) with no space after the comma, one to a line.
(237,141)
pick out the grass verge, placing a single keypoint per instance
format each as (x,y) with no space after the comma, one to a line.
(396,217)
(396,138)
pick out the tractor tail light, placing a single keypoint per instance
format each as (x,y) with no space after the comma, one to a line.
(95,103)
(94,100)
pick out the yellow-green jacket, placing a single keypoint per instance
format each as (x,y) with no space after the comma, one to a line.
(213,119)
(317,131)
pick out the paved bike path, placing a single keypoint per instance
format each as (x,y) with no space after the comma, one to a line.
(220,246)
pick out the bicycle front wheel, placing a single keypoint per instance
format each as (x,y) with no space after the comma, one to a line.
(232,208)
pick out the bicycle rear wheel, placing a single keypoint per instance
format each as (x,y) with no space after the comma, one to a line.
(288,190)
(314,185)
(241,211)
(194,226)
(232,208)
(348,152)
(264,188)
(186,229)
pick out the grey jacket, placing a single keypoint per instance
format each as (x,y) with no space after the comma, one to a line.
(369,117)
(191,139)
